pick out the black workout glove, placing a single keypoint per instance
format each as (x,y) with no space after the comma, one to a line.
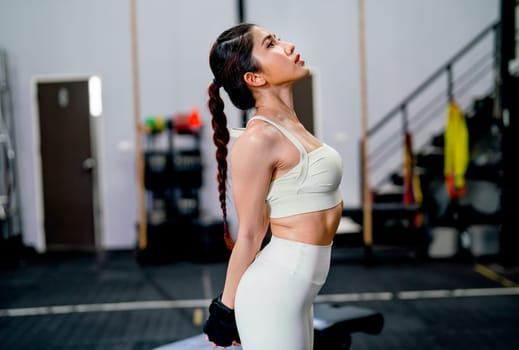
(220,327)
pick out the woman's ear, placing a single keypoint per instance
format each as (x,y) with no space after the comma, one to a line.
(253,79)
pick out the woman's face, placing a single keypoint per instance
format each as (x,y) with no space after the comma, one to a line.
(279,62)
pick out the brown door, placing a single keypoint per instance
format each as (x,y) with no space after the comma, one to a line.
(66,162)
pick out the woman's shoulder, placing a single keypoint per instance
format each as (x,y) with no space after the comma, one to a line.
(257,138)
(257,132)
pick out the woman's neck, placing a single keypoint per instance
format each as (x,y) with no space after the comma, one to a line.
(278,104)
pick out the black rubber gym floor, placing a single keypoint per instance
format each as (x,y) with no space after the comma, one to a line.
(109,301)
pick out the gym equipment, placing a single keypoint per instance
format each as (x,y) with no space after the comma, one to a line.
(155,124)
(187,123)
(171,179)
(10,215)
(334,324)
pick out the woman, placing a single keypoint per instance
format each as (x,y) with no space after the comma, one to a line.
(282,176)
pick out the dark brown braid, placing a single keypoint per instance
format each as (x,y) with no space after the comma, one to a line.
(220,139)
(230,58)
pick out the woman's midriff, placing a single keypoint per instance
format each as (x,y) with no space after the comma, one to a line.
(316,228)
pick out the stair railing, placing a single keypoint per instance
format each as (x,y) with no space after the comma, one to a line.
(388,133)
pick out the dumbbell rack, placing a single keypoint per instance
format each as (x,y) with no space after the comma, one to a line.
(173,173)
(172,180)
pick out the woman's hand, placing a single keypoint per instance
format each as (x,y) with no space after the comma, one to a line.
(220,328)
(234,343)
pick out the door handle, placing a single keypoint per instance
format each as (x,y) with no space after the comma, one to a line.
(88,164)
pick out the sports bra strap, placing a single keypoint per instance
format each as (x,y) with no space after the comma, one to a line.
(285,132)
(304,155)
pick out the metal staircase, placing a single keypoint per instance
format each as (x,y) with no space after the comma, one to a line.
(470,78)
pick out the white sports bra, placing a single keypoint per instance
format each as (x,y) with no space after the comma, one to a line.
(311,185)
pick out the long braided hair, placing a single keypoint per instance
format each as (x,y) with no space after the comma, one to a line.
(230,58)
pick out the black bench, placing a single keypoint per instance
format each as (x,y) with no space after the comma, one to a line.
(334,324)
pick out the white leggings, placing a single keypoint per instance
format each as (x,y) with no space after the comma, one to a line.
(274,300)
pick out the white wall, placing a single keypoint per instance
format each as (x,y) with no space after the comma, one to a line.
(56,37)
(407,40)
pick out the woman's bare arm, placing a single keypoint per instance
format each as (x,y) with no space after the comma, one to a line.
(252,163)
